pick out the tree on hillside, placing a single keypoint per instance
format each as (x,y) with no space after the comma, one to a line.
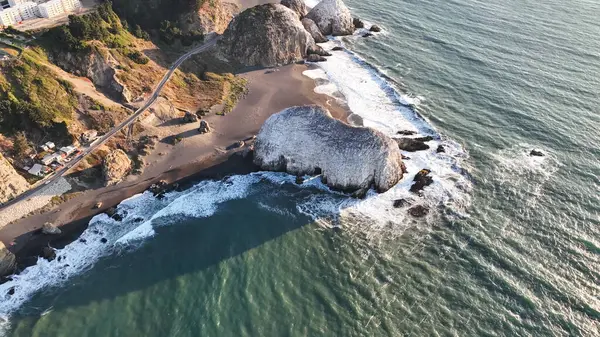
(21,147)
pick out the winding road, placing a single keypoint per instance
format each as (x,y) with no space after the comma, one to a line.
(58,174)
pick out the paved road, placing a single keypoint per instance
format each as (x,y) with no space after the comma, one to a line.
(117,128)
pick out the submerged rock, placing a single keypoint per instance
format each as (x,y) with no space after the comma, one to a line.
(440,149)
(367,35)
(265,35)
(332,17)
(400,203)
(314,30)
(375,28)
(307,139)
(358,23)
(411,144)
(421,179)
(418,211)
(337,48)
(536,153)
(48,253)
(50,229)
(8,261)
(298,6)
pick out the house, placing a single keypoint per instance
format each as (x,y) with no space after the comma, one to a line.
(89,136)
(37,170)
(50,145)
(68,150)
(50,158)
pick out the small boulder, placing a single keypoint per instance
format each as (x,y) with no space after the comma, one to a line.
(314,31)
(204,127)
(337,48)
(48,253)
(297,6)
(50,229)
(375,28)
(418,211)
(440,149)
(238,144)
(98,205)
(422,179)
(411,144)
(367,35)
(358,23)
(158,187)
(536,153)
(400,203)
(190,117)
(315,58)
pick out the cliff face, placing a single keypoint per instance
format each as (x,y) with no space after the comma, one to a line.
(11,183)
(265,35)
(99,66)
(213,16)
(306,140)
(115,167)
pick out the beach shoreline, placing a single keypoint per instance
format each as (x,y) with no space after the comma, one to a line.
(198,157)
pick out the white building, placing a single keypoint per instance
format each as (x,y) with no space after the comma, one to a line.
(51,158)
(10,16)
(70,5)
(68,150)
(50,145)
(28,10)
(51,8)
(37,170)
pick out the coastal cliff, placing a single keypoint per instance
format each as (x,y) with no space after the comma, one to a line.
(11,183)
(308,140)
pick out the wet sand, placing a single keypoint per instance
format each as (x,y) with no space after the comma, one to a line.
(197,157)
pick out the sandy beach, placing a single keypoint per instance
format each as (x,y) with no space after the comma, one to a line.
(196,157)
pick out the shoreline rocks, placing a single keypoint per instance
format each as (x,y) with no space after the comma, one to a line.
(266,35)
(421,180)
(298,6)
(314,31)
(8,261)
(411,144)
(50,229)
(307,139)
(332,17)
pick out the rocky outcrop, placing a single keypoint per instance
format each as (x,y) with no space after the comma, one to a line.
(332,17)
(11,183)
(314,30)
(213,16)
(307,140)
(412,144)
(99,66)
(189,117)
(115,167)
(50,229)
(204,127)
(421,180)
(298,6)
(266,35)
(536,153)
(7,261)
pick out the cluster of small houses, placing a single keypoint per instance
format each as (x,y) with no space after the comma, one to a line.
(52,159)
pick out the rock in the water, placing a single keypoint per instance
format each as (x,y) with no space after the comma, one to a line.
(536,153)
(337,48)
(422,179)
(418,211)
(332,17)
(358,23)
(407,132)
(299,180)
(50,229)
(315,58)
(48,253)
(115,167)
(104,240)
(298,6)
(7,261)
(411,144)
(375,28)
(190,117)
(318,50)
(158,187)
(367,35)
(301,139)
(265,35)
(314,30)
(400,203)
(204,127)
(440,149)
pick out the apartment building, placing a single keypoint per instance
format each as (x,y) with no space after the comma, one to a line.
(10,16)
(70,5)
(28,10)
(54,8)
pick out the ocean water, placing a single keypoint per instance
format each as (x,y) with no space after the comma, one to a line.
(511,246)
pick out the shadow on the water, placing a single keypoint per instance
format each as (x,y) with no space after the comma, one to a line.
(185,247)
